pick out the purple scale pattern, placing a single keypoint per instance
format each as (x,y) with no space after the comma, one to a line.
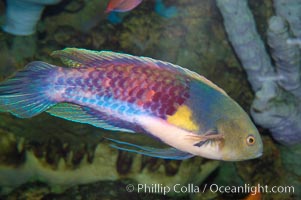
(148,89)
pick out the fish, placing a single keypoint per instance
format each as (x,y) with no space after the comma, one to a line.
(136,95)
(122,5)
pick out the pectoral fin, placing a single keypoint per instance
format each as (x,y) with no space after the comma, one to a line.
(167,153)
(210,136)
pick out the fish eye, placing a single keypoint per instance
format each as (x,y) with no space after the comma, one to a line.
(251,140)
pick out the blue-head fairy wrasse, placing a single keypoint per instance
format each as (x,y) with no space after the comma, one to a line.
(139,95)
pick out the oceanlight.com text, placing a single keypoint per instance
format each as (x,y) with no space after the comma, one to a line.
(191,188)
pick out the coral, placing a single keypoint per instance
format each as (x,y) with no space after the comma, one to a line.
(23,47)
(90,14)
(277,88)
(61,160)
(23,15)
(141,34)
(286,56)
(32,191)
(290,11)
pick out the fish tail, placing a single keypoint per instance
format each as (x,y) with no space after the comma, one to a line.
(25,94)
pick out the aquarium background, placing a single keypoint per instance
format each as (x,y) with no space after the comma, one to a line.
(50,158)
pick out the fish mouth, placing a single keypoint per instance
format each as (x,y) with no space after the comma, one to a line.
(259,154)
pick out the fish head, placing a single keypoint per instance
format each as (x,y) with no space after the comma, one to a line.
(241,139)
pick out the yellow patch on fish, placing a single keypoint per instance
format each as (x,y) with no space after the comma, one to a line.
(183,118)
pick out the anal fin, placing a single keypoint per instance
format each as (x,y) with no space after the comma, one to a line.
(167,153)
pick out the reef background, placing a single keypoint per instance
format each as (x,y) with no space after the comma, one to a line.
(194,38)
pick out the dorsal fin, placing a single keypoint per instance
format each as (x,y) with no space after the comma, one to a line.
(74,57)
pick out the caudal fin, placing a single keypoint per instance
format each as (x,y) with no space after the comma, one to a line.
(25,94)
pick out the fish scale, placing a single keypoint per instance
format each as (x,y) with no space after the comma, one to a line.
(125,84)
